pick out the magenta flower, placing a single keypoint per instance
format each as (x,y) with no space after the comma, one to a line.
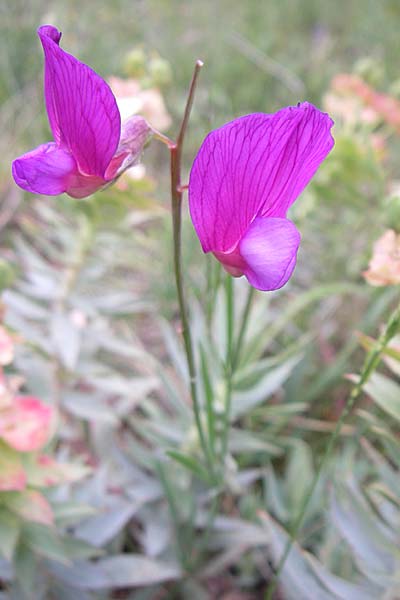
(244,179)
(90,149)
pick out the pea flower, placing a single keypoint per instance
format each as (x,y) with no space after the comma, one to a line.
(245,177)
(90,149)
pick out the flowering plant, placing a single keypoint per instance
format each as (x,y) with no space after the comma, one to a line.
(244,179)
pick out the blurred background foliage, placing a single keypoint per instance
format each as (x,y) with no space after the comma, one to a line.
(89,292)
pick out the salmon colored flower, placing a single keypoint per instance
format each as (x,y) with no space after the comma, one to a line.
(381,105)
(90,148)
(384,266)
(25,424)
(244,179)
(132,99)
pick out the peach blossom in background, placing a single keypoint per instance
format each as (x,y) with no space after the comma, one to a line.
(26,424)
(132,99)
(384,266)
(351,98)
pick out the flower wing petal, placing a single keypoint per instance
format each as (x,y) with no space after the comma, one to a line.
(269,249)
(257,164)
(82,110)
(45,170)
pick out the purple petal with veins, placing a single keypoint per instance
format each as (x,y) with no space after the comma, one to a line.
(245,177)
(82,110)
(45,170)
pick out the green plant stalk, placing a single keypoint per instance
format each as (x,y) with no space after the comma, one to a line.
(213,281)
(243,327)
(209,393)
(228,371)
(230,315)
(371,362)
(233,353)
(176,205)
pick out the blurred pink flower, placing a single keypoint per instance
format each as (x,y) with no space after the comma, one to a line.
(384,266)
(26,423)
(372,105)
(132,99)
(6,347)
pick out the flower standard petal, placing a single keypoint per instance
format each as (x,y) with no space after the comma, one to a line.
(308,141)
(82,110)
(269,250)
(254,165)
(45,170)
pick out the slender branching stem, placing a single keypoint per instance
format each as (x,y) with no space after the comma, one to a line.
(371,362)
(176,199)
(189,103)
(163,138)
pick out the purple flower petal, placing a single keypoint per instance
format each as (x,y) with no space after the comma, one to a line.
(82,110)
(255,165)
(45,170)
(269,250)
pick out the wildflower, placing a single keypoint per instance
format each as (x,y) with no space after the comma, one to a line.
(91,149)
(26,424)
(384,266)
(244,179)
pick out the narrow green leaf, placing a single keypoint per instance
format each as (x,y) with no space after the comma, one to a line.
(189,463)
(385,393)
(9,533)
(209,397)
(25,568)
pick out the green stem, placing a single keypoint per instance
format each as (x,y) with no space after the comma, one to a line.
(229,319)
(228,366)
(176,200)
(213,276)
(243,327)
(371,362)
(232,355)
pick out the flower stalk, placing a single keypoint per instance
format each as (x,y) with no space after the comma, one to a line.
(243,327)
(176,204)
